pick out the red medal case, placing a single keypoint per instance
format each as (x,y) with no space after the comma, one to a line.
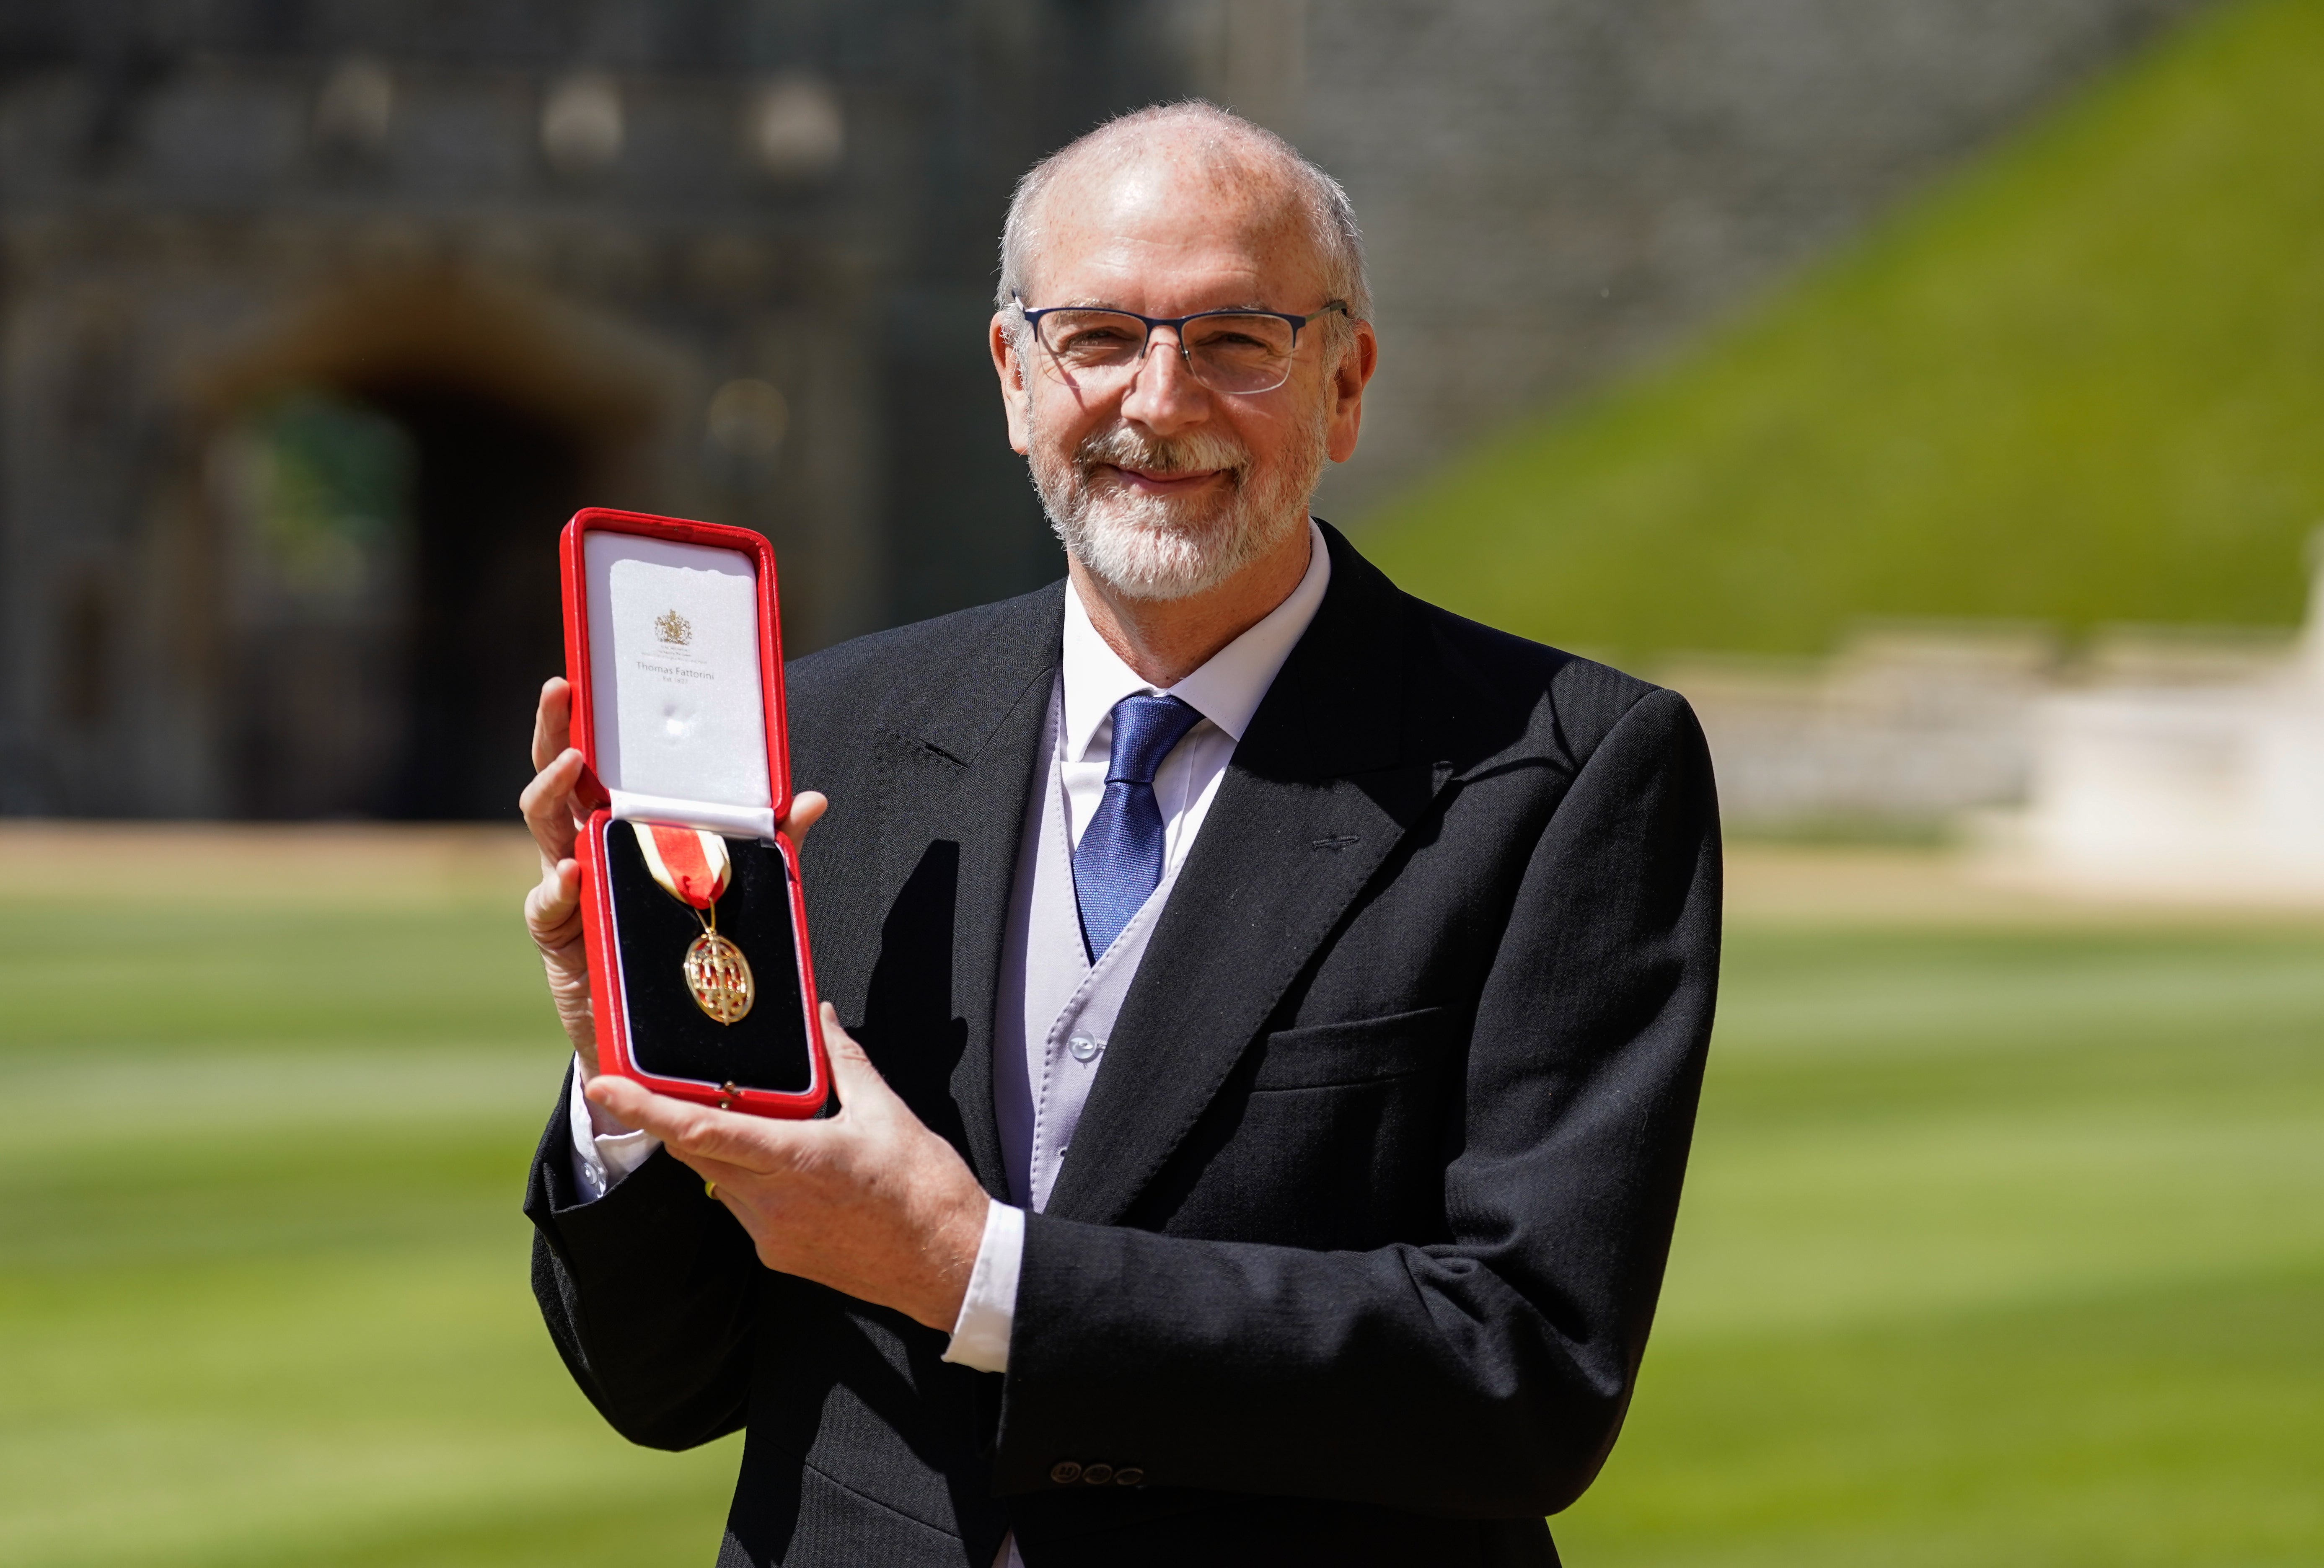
(668,729)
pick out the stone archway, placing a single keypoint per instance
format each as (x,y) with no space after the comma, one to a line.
(387,467)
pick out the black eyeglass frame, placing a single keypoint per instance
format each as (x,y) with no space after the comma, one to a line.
(1177,324)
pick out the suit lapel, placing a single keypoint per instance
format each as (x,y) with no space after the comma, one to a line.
(1331,774)
(957,781)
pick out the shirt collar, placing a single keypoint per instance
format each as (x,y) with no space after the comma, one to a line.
(1228,688)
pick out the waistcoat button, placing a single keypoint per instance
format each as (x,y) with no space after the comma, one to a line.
(1065,1472)
(1097,1475)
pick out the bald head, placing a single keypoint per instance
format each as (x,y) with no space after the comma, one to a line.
(1173,153)
(1166,487)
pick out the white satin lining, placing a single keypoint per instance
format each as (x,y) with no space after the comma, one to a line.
(674,664)
(734,821)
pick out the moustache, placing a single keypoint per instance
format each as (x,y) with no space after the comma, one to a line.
(1119,446)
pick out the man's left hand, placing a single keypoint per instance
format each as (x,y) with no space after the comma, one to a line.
(868,1202)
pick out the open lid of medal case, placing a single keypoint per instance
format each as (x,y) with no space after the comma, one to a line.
(673,647)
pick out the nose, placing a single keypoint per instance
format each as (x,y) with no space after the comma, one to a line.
(1162,396)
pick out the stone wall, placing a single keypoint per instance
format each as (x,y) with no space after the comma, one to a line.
(1919,729)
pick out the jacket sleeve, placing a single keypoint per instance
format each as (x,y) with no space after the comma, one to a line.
(649,1293)
(1486,1376)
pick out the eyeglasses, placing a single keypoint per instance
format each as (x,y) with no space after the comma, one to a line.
(1228,351)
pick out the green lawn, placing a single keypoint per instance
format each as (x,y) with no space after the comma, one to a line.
(2001,1248)
(2080,379)
(263,1278)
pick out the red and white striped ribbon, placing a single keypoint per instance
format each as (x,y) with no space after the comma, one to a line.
(691,865)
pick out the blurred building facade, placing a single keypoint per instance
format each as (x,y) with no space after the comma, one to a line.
(318,317)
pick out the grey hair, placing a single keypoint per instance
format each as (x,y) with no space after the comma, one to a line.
(1225,137)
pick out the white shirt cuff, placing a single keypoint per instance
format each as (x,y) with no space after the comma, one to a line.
(604,1150)
(980,1336)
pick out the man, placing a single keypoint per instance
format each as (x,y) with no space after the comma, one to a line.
(1267,1010)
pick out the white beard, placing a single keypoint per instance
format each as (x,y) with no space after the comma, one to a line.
(1163,548)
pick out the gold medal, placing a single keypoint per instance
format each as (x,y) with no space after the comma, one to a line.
(692,867)
(719,976)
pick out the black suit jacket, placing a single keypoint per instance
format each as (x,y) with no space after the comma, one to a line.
(1355,1254)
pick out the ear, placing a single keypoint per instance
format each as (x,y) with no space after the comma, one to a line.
(1357,362)
(1014,394)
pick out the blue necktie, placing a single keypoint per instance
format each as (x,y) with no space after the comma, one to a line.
(1118,863)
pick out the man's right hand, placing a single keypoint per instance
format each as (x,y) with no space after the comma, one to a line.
(552,911)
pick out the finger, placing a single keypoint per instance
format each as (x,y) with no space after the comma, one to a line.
(547,805)
(546,791)
(690,1131)
(550,908)
(852,1073)
(737,1184)
(807,807)
(552,721)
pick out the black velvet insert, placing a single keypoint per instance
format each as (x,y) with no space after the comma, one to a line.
(669,1036)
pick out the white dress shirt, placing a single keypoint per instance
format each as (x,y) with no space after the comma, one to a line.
(1041,980)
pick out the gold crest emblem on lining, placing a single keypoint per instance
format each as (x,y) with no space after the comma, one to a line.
(674,628)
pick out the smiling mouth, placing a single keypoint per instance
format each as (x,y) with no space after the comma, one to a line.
(1173,482)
